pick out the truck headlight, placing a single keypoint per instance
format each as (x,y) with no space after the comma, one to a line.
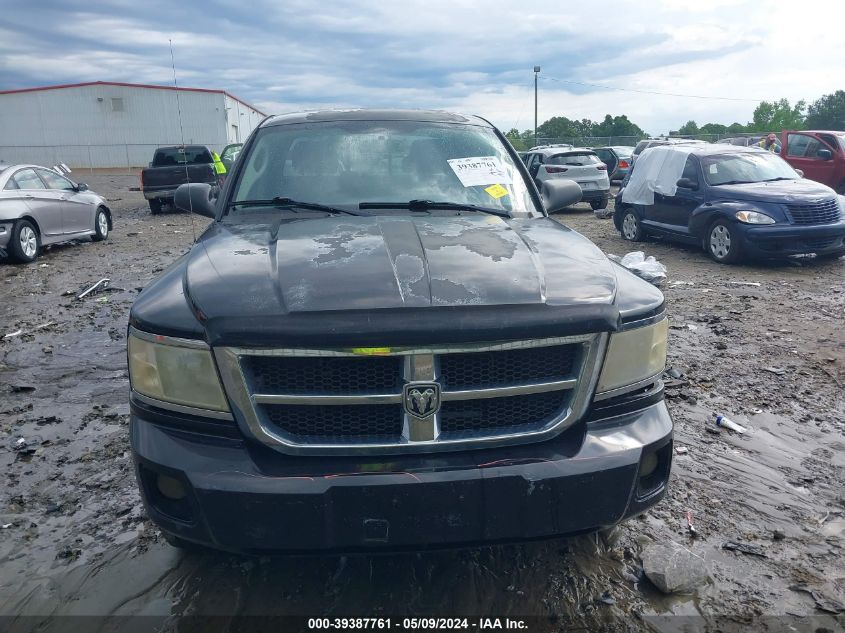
(634,355)
(185,376)
(753,217)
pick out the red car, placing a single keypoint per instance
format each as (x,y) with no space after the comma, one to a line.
(819,154)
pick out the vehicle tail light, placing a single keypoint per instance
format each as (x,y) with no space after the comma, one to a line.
(555,170)
(601,167)
(624,164)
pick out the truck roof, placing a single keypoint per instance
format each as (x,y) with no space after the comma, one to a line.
(433,116)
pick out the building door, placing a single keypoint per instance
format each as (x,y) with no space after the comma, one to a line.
(236,136)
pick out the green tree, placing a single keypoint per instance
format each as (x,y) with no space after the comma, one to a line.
(827,113)
(514,136)
(713,128)
(690,128)
(556,127)
(736,128)
(775,116)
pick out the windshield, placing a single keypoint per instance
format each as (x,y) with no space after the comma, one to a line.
(345,163)
(750,167)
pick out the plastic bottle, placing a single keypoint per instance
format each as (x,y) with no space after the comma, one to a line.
(729,424)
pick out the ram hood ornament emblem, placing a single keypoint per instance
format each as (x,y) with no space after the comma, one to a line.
(421,399)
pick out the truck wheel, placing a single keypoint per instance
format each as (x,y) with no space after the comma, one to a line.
(631,229)
(722,243)
(599,204)
(155,206)
(25,243)
(101,225)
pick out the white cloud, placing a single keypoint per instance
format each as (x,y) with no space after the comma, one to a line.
(453,55)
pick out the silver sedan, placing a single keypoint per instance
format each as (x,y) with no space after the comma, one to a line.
(39,206)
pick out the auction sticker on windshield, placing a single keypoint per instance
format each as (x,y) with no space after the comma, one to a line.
(480,170)
(497,191)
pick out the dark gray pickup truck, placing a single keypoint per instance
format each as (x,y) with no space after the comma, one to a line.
(384,342)
(174,166)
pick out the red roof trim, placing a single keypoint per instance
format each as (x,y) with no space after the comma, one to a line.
(128,85)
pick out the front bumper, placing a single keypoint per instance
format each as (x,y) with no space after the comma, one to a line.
(245,497)
(794,240)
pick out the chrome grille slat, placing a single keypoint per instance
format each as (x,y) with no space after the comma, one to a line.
(498,393)
(824,212)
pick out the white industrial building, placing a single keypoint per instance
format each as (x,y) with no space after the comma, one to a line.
(109,124)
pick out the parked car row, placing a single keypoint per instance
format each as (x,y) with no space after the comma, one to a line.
(39,206)
(732,201)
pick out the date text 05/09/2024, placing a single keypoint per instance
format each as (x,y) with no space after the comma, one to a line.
(415,624)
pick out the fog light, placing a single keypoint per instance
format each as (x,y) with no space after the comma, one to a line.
(648,465)
(170,487)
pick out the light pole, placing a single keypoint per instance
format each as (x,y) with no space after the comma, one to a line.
(536,74)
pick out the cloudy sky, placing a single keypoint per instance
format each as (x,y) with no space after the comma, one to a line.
(469,56)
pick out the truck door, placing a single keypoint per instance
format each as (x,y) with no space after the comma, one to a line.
(802,153)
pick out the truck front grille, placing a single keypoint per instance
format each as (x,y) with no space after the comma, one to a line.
(465,418)
(337,425)
(337,401)
(825,212)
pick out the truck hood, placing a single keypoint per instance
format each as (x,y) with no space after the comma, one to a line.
(782,191)
(251,273)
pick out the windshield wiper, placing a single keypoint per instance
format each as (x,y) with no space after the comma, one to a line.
(734,182)
(429,205)
(778,178)
(282,203)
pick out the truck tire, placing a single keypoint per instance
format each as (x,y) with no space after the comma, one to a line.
(155,206)
(25,243)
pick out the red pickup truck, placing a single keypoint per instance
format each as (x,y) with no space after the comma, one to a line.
(819,154)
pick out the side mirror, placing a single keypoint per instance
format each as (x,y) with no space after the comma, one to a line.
(800,172)
(559,194)
(196,197)
(81,186)
(687,183)
(824,154)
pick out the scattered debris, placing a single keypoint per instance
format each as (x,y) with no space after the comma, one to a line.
(681,450)
(756,411)
(751,550)
(823,602)
(690,526)
(775,370)
(754,284)
(606,598)
(6,526)
(22,388)
(677,282)
(13,334)
(778,535)
(729,424)
(673,568)
(647,268)
(97,287)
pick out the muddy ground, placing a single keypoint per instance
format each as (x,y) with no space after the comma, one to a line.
(762,344)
